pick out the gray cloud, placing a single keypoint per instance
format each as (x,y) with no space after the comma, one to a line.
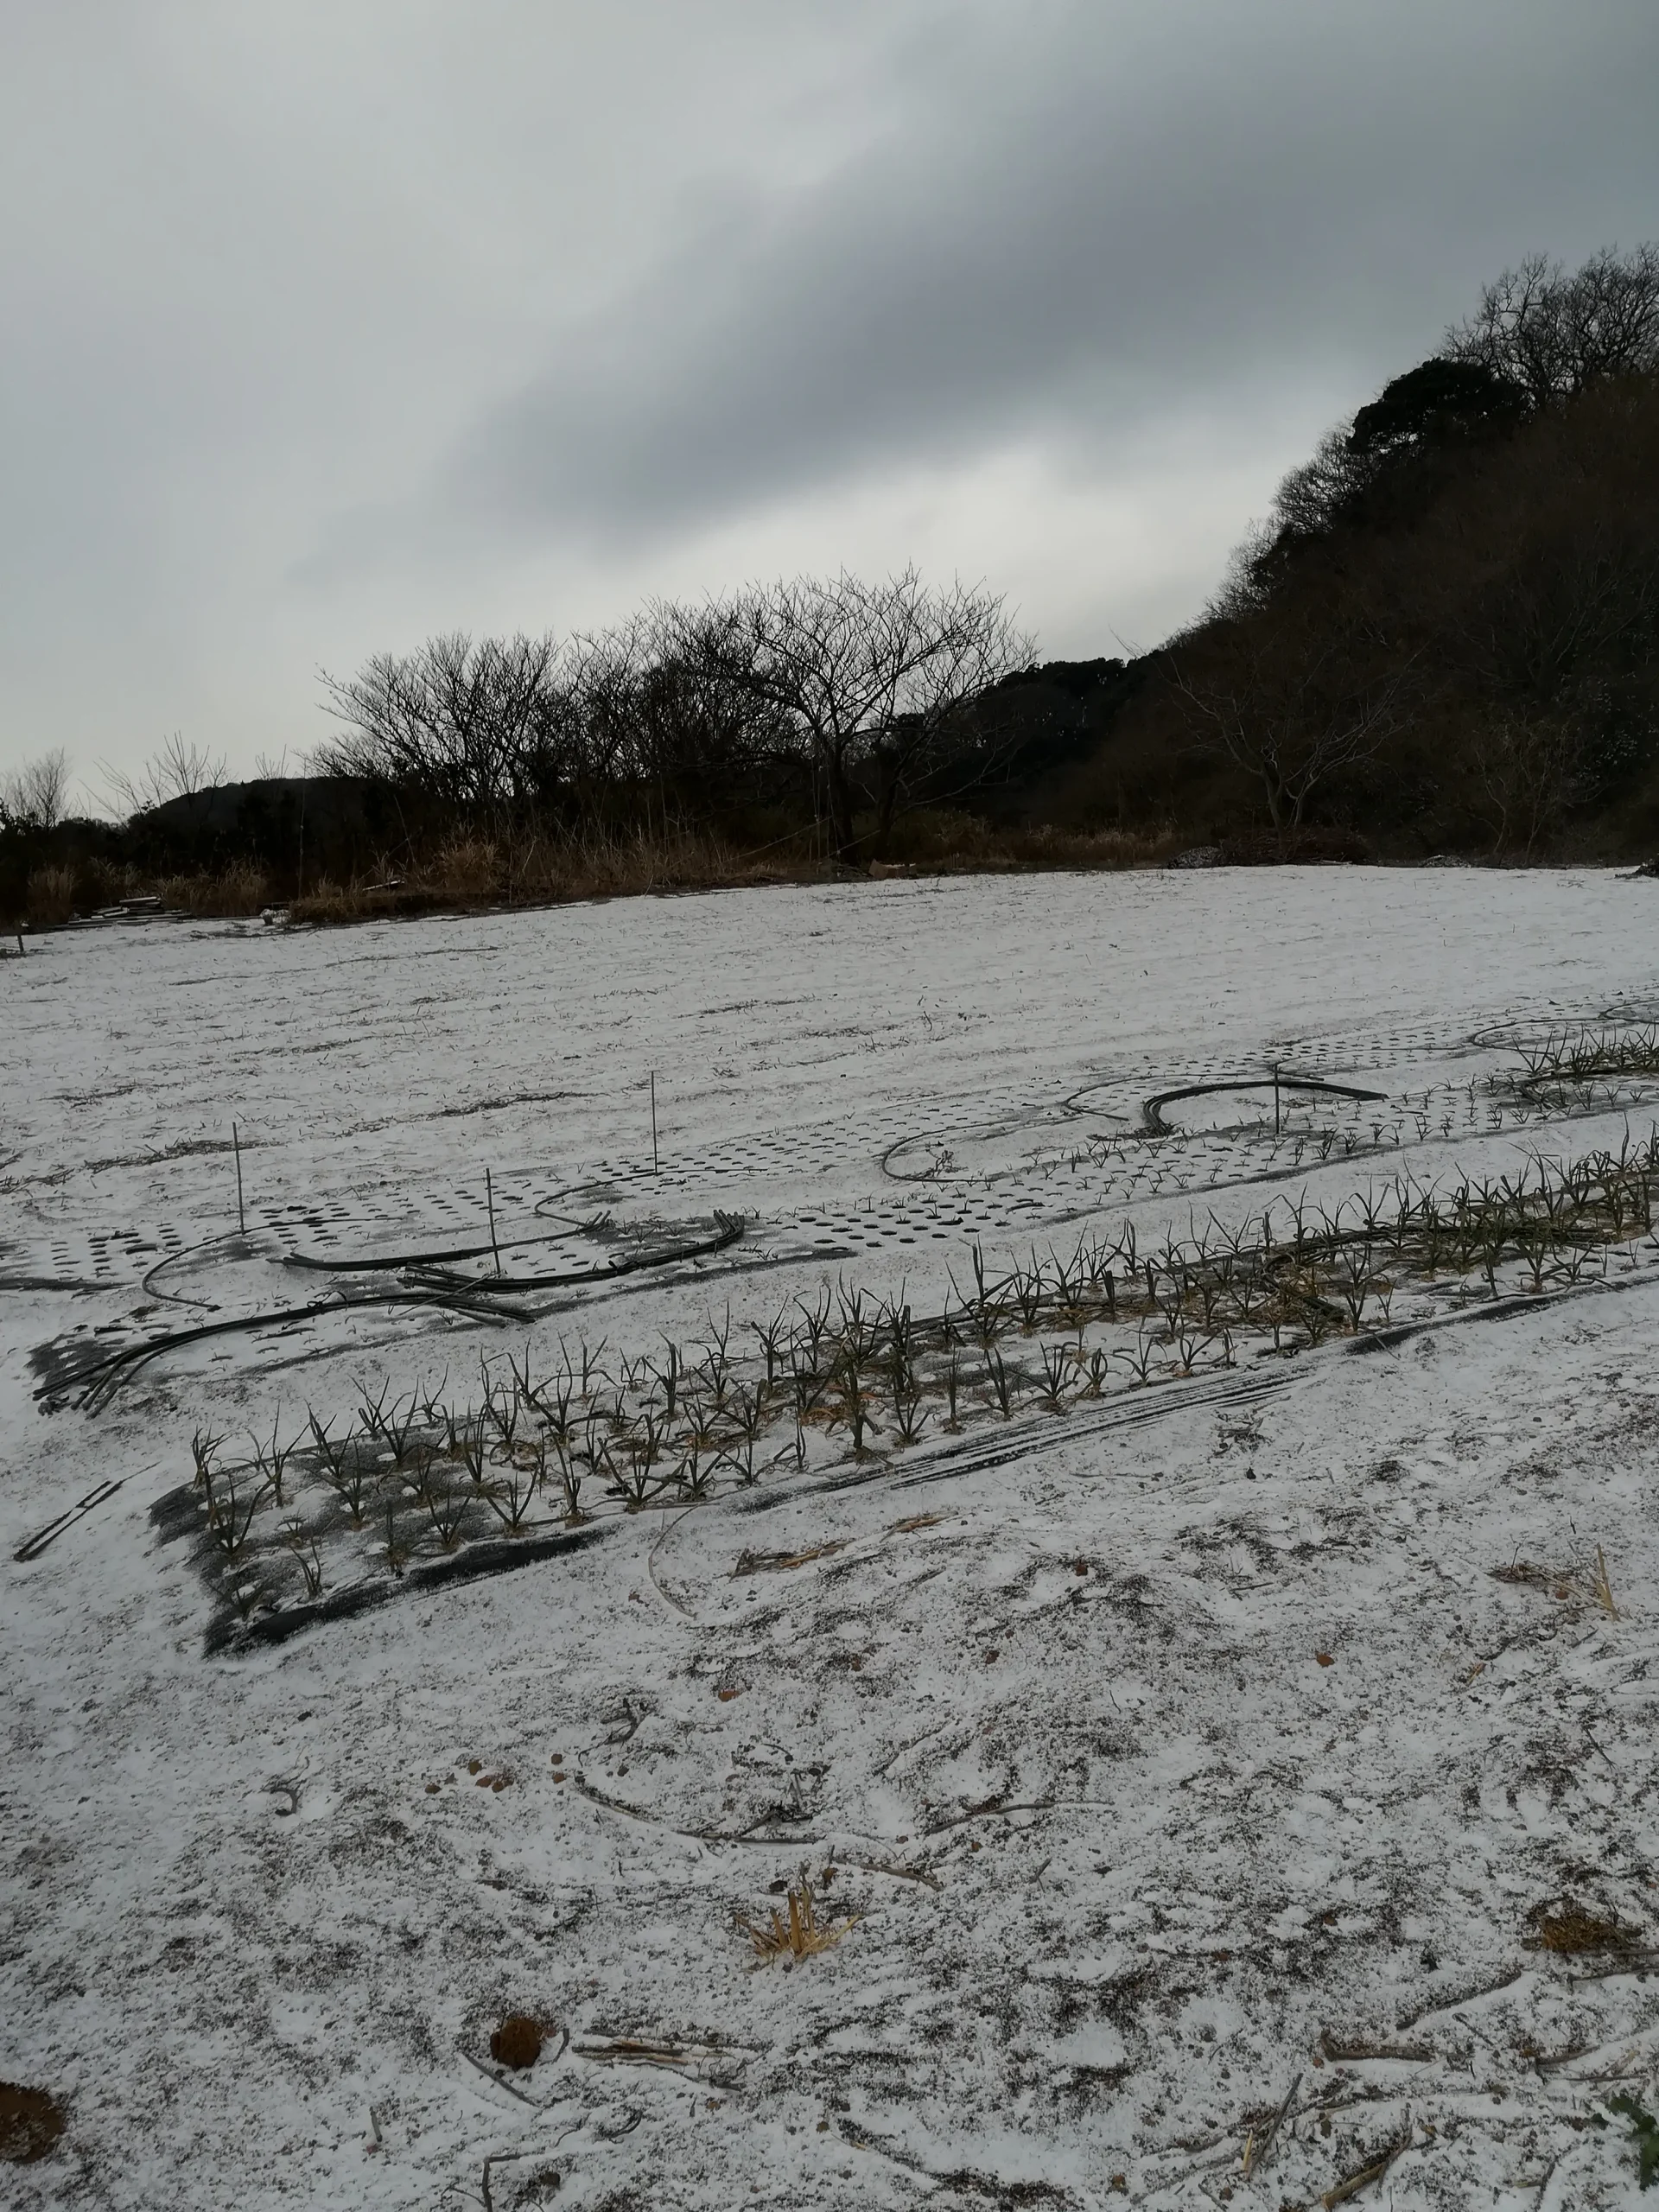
(329,326)
(1081,219)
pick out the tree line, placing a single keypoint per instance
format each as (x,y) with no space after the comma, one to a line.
(836,696)
(1445,636)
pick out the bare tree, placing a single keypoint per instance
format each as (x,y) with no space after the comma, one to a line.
(1552,333)
(1290,703)
(1532,770)
(866,676)
(478,728)
(34,797)
(664,718)
(178,771)
(1311,496)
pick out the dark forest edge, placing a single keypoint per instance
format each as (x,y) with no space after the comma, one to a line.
(1442,642)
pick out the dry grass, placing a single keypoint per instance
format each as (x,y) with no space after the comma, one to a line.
(532,868)
(941,841)
(798,1937)
(1573,1931)
(1047,847)
(51,897)
(474,871)
(242,888)
(780,1562)
(1601,1589)
(57,895)
(1583,1585)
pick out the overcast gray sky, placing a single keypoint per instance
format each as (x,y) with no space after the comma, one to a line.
(331,322)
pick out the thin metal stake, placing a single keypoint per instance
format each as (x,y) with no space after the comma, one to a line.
(241,1211)
(489,1200)
(655,1163)
(1276,1098)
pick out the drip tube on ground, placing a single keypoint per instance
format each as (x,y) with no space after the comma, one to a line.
(730,1230)
(475,1296)
(393,1262)
(1151,1111)
(105,1376)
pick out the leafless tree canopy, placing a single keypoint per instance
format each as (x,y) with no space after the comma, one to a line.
(473,726)
(1552,333)
(35,797)
(178,771)
(1291,700)
(866,676)
(671,714)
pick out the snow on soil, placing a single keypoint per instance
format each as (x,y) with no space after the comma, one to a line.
(1177,1760)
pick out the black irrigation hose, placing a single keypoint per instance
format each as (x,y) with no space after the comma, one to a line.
(1153,1111)
(1152,1116)
(541,1206)
(1502,1035)
(400,1259)
(457,1294)
(731,1228)
(1499,1309)
(102,1377)
(976,1455)
(171,1259)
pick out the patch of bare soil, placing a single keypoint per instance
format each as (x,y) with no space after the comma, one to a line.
(31,2122)
(517,2042)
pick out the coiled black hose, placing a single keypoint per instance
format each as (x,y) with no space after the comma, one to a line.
(104,1375)
(730,1229)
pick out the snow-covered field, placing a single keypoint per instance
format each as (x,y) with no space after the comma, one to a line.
(1179,1758)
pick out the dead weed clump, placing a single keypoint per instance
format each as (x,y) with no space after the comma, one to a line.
(798,1937)
(779,1562)
(240,889)
(1572,1930)
(551,869)
(50,900)
(1586,1584)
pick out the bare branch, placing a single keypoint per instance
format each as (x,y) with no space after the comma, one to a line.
(34,797)
(178,771)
